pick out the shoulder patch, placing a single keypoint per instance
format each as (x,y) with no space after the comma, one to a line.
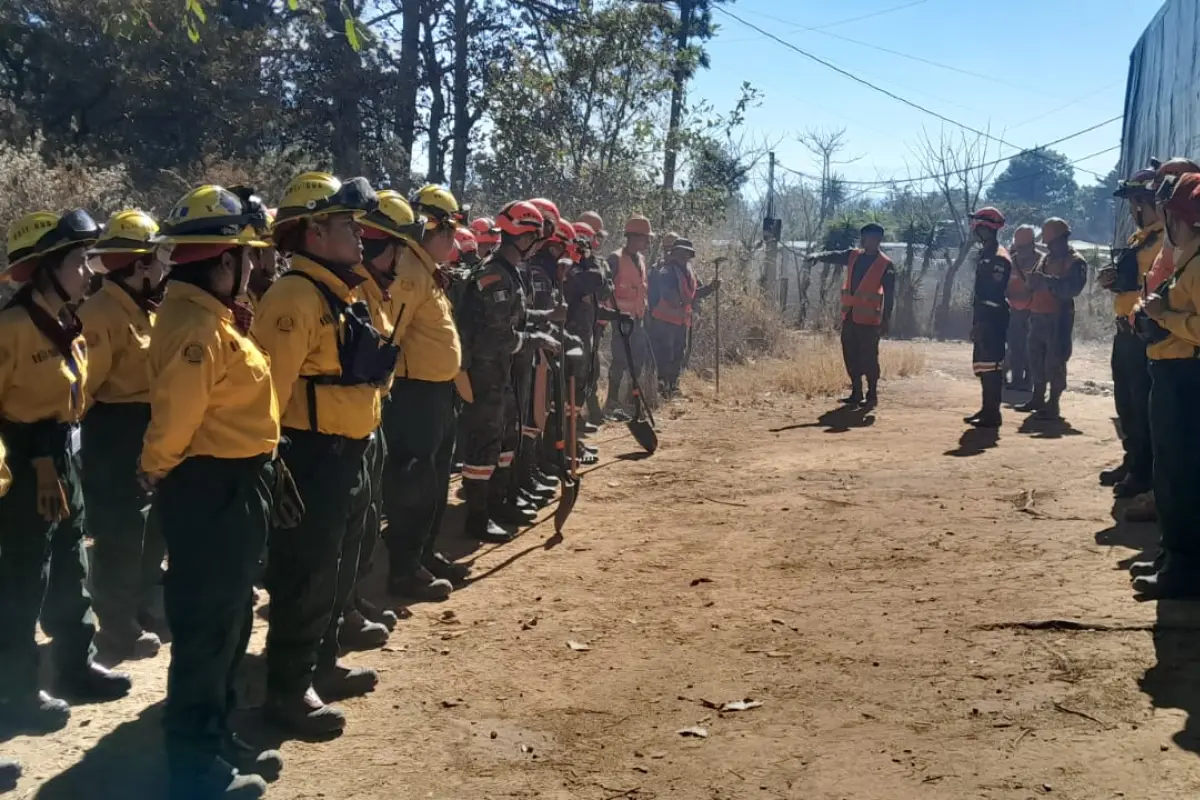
(408,285)
(500,296)
(193,353)
(285,324)
(487,280)
(92,338)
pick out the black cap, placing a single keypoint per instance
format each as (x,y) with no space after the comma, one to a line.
(871,227)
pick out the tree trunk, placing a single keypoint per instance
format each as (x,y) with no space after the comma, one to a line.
(679,78)
(347,126)
(437,107)
(406,101)
(462,97)
(942,314)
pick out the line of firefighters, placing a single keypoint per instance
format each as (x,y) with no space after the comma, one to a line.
(262,395)
(1023,319)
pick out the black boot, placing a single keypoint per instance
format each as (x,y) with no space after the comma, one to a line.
(251,760)
(595,414)
(1051,412)
(503,506)
(1036,402)
(480,526)
(420,585)
(384,616)
(993,389)
(1130,487)
(357,633)
(856,396)
(305,714)
(337,682)
(1172,582)
(93,684)
(1140,569)
(219,781)
(1111,477)
(441,567)
(34,713)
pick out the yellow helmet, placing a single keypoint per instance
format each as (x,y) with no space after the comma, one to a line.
(313,194)
(438,206)
(43,232)
(212,214)
(394,216)
(129,231)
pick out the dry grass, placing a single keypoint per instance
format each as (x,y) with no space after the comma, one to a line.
(814,369)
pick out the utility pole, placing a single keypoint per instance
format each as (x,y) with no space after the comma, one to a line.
(679,77)
(771,232)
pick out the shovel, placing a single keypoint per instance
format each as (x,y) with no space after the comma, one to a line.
(641,429)
(571,475)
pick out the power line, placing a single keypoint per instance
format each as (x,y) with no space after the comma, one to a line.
(840,22)
(878,88)
(924,178)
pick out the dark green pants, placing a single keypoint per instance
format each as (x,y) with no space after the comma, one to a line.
(1131,390)
(420,422)
(42,573)
(1175,427)
(215,514)
(127,549)
(375,458)
(305,574)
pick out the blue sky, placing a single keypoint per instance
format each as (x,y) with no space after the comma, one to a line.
(1046,69)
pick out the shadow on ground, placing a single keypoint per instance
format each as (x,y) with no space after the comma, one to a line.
(1174,681)
(838,420)
(126,763)
(974,442)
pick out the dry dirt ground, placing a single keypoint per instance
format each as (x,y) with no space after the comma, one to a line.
(886,588)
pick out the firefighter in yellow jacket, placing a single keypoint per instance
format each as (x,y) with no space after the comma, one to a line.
(420,417)
(329,364)
(43,375)
(207,454)
(127,550)
(1173,333)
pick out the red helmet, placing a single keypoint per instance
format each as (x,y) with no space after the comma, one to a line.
(1168,174)
(585,233)
(548,208)
(1184,202)
(987,217)
(520,217)
(485,231)
(564,233)
(465,240)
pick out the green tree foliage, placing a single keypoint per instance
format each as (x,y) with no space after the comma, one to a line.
(1035,185)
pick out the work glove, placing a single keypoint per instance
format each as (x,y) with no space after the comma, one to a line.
(51,494)
(288,507)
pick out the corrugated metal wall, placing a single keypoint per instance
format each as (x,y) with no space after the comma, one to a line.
(1162,98)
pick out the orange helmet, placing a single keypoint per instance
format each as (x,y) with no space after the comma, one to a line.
(564,233)
(595,221)
(548,208)
(485,231)
(465,240)
(987,217)
(1184,203)
(586,234)
(520,217)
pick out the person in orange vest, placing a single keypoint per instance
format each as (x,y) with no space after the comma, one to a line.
(1058,279)
(631,292)
(868,296)
(1024,257)
(989,323)
(1130,366)
(674,288)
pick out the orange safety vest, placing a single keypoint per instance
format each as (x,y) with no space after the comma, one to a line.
(678,312)
(1044,301)
(864,305)
(1020,296)
(630,289)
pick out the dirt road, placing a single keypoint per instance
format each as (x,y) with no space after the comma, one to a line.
(866,582)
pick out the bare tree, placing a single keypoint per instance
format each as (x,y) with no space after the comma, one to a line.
(958,167)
